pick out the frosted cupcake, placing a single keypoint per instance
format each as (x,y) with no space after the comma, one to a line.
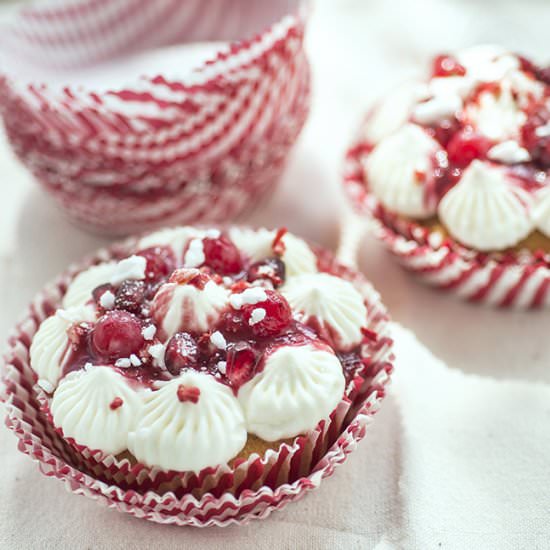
(456,169)
(200,354)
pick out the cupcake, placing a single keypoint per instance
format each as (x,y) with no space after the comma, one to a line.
(455,170)
(194,363)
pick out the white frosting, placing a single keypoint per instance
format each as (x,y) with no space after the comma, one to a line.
(178,307)
(249,296)
(132,267)
(194,257)
(437,108)
(333,301)
(509,152)
(487,62)
(298,387)
(485,210)
(394,110)
(50,345)
(81,287)
(81,406)
(176,238)
(392,171)
(497,115)
(257,244)
(541,210)
(189,436)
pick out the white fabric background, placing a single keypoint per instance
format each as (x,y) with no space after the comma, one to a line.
(458,455)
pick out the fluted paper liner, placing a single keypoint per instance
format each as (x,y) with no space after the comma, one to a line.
(251,488)
(121,160)
(517,280)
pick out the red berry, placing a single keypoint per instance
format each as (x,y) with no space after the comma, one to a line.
(222,255)
(130,296)
(181,353)
(272,269)
(446,65)
(117,334)
(160,262)
(467,146)
(240,364)
(537,145)
(273,315)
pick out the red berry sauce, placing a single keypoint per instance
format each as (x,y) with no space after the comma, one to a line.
(121,336)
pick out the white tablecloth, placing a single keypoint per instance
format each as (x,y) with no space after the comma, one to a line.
(456,457)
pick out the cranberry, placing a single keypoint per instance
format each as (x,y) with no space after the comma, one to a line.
(445,130)
(467,146)
(160,262)
(181,353)
(99,291)
(130,296)
(240,364)
(538,146)
(117,334)
(222,255)
(446,65)
(232,322)
(272,269)
(274,315)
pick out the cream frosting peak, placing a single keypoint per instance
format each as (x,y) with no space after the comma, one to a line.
(191,423)
(486,210)
(396,170)
(298,387)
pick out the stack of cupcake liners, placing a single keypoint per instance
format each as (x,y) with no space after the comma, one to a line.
(203,141)
(249,488)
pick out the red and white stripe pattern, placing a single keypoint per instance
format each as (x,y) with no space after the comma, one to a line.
(249,491)
(152,149)
(517,280)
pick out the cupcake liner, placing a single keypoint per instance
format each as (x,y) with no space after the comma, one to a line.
(514,279)
(229,123)
(252,488)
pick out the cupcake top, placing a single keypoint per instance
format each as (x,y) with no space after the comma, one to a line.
(470,147)
(197,339)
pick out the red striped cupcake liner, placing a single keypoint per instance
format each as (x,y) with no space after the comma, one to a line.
(250,489)
(510,280)
(223,130)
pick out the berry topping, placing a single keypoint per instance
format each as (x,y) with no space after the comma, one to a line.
(240,364)
(278,245)
(221,255)
(536,135)
(447,65)
(117,334)
(116,403)
(189,394)
(160,262)
(269,316)
(467,146)
(130,296)
(189,277)
(271,269)
(181,353)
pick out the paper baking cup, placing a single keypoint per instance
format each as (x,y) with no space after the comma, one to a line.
(216,496)
(517,280)
(222,129)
